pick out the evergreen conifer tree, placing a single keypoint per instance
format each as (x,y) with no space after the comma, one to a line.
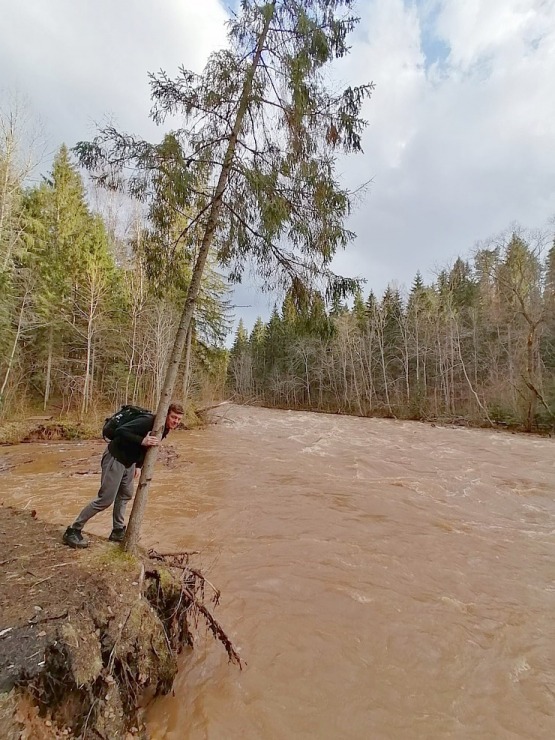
(68,251)
(258,153)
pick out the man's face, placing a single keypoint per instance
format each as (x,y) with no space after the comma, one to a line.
(173,420)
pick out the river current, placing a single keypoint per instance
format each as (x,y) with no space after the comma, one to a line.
(381,579)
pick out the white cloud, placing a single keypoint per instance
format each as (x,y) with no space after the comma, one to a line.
(78,62)
(460,149)
(461,141)
(497,29)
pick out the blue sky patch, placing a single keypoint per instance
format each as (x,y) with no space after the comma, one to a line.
(435,49)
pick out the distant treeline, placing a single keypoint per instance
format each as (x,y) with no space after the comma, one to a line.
(477,344)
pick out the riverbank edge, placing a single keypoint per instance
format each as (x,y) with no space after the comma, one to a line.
(87,638)
(52,428)
(433,421)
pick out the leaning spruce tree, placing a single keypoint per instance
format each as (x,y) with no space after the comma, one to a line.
(256,148)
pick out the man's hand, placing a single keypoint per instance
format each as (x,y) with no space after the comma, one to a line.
(137,473)
(150,440)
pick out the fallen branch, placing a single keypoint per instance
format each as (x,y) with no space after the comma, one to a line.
(202,409)
(161,555)
(47,619)
(539,396)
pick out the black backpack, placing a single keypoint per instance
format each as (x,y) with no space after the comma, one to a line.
(125,414)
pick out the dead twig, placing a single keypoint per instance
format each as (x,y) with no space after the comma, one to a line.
(42,580)
(84,731)
(141,578)
(47,619)
(217,592)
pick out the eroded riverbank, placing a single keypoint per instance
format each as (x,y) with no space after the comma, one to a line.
(83,640)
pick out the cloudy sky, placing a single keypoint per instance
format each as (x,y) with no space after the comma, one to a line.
(461,135)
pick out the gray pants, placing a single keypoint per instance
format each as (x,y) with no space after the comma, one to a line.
(116,487)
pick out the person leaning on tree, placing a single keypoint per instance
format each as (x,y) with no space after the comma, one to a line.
(121,461)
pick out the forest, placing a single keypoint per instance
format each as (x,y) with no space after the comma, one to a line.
(476,346)
(88,317)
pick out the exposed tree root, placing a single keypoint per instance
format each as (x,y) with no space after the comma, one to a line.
(190,601)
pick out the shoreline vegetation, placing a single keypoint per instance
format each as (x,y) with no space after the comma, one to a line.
(513,427)
(52,428)
(88,639)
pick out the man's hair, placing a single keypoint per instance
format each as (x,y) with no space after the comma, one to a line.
(176,408)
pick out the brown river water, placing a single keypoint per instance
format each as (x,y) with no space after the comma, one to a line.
(382,579)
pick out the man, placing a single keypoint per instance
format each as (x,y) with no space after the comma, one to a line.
(121,461)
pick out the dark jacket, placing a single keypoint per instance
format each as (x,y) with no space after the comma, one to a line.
(126,445)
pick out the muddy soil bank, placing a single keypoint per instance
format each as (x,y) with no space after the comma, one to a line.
(87,638)
(55,429)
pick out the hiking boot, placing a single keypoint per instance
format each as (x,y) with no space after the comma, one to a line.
(73,538)
(117,534)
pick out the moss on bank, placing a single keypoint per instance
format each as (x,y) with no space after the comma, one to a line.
(38,430)
(87,638)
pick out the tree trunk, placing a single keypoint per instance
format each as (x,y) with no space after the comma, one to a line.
(48,379)
(14,348)
(187,364)
(4,205)
(131,358)
(86,379)
(141,497)
(91,379)
(532,362)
